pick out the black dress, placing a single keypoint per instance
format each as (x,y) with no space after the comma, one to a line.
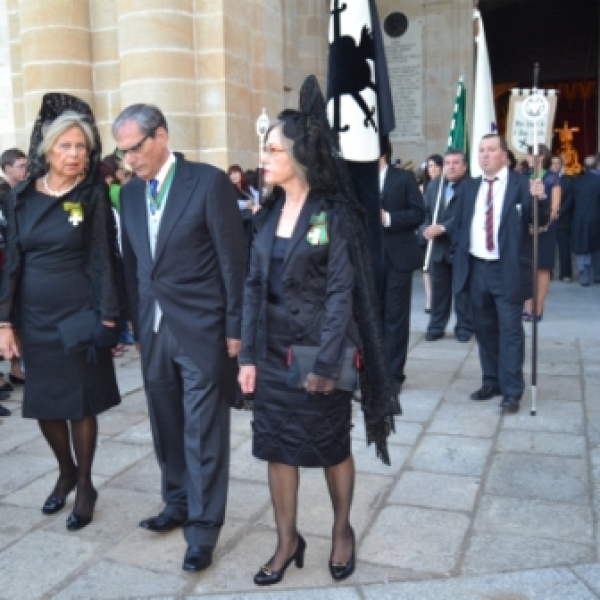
(547,239)
(291,426)
(54,283)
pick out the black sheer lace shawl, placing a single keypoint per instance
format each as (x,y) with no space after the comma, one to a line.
(316,147)
(103,264)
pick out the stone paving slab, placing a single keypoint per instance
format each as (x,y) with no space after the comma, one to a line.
(417,539)
(517,552)
(533,442)
(451,454)
(546,584)
(436,490)
(531,518)
(556,479)
(49,554)
(133,582)
(465,420)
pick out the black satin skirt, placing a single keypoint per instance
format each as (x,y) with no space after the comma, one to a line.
(291,426)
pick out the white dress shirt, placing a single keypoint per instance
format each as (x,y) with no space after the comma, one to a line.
(154,223)
(478,246)
(387,220)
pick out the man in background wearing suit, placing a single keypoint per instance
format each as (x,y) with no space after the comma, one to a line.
(455,179)
(183,253)
(492,260)
(401,214)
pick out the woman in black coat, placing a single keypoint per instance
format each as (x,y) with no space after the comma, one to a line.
(309,288)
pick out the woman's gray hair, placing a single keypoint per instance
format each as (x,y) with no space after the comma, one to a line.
(54,129)
(147,116)
(288,145)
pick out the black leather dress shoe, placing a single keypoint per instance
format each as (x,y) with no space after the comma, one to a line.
(7,387)
(197,558)
(463,338)
(75,522)
(14,379)
(431,337)
(510,404)
(54,503)
(4,412)
(161,523)
(4,395)
(485,393)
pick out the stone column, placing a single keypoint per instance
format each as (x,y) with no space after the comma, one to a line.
(106,70)
(156,50)
(16,75)
(56,51)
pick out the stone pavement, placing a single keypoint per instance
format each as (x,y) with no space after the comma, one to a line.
(475,504)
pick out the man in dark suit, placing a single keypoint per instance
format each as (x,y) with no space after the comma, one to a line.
(585,226)
(184,254)
(563,223)
(492,260)
(401,214)
(439,234)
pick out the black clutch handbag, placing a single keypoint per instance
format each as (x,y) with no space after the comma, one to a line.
(301,359)
(76,331)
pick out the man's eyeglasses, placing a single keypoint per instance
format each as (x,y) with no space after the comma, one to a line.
(19,165)
(270,151)
(121,154)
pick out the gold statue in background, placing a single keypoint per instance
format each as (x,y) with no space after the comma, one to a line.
(567,150)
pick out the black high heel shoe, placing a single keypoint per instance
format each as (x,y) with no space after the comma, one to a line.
(14,379)
(267,577)
(338,571)
(54,503)
(75,522)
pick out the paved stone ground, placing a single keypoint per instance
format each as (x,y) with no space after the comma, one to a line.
(475,504)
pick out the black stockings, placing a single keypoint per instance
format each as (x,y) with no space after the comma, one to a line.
(340,481)
(283,484)
(83,434)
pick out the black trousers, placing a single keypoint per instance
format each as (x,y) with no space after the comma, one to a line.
(498,327)
(441,304)
(190,427)
(563,240)
(396,317)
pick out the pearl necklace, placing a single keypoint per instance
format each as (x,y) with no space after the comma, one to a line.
(62,192)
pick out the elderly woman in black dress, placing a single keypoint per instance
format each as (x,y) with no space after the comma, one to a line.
(62,262)
(309,288)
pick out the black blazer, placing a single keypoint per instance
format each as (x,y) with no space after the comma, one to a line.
(442,245)
(198,268)
(585,226)
(318,284)
(565,215)
(514,239)
(403,200)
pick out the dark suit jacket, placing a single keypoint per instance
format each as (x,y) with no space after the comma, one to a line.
(442,246)
(198,268)
(565,215)
(403,200)
(514,239)
(318,284)
(585,227)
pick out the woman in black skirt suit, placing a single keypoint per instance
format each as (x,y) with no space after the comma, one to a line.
(62,259)
(309,259)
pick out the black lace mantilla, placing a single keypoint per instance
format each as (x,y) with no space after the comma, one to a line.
(316,147)
(103,260)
